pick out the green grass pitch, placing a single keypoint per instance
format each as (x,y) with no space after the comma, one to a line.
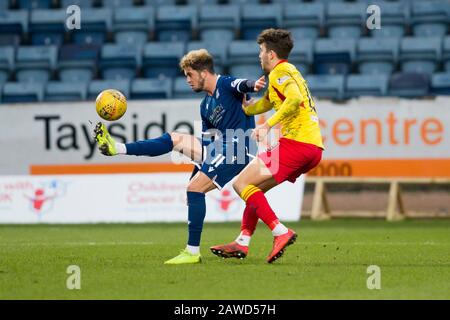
(328,261)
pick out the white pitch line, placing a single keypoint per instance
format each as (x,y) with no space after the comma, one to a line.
(110,243)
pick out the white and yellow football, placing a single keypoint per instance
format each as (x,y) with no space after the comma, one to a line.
(111,104)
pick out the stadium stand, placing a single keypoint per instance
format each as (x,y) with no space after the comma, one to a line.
(23,92)
(326,86)
(219,23)
(161,59)
(377,55)
(136,39)
(304,21)
(78,62)
(97,86)
(151,88)
(65,91)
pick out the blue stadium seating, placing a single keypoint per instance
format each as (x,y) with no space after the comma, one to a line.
(344,20)
(181,90)
(4,5)
(151,89)
(243,59)
(420,54)
(119,3)
(120,61)
(35,63)
(133,25)
(218,50)
(97,86)
(201,3)
(80,3)
(326,86)
(47,26)
(78,63)
(304,21)
(6,62)
(430,18)
(14,92)
(446,53)
(393,18)
(161,59)
(257,17)
(377,55)
(65,91)
(175,23)
(440,83)
(334,56)
(219,22)
(96,23)
(34,4)
(409,85)
(302,55)
(367,85)
(157,3)
(13,23)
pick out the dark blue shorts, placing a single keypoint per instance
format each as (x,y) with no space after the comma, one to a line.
(223,164)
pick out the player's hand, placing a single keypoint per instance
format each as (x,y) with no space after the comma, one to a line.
(246,103)
(260,83)
(260,132)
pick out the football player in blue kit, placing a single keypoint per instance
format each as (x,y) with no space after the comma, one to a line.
(221,154)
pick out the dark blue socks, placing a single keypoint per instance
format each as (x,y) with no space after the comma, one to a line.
(151,147)
(196,215)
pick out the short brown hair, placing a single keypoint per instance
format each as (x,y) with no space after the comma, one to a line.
(278,40)
(198,60)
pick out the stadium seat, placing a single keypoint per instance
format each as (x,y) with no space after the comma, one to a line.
(409,85)
(175,23)
(218,50)
(133,25)
(440,83)
(430,18)
(64,91)
(181,90)
(35,63)
(14,92)
(97,22)
(201,3)
(366,85)
(120,61)
(97,86)
(243,59)
(4,5)
(120,3)
(305,20)
(34,4)
(326,86)
(393,18)
(334,56)
(446,53)
(151,89)
(377,55)
(161,59)
(47,26)
(78,62)
(157,3)
(80,3)
(420,54)
(257,17)
(218,23)
(6,62)
(344,20)
(302,55)
(13,23)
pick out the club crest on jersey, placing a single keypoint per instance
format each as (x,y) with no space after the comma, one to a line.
(281,80)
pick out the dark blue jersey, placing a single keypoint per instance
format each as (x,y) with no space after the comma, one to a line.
(223,110)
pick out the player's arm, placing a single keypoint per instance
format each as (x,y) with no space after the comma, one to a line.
(290,105)
(260,106)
